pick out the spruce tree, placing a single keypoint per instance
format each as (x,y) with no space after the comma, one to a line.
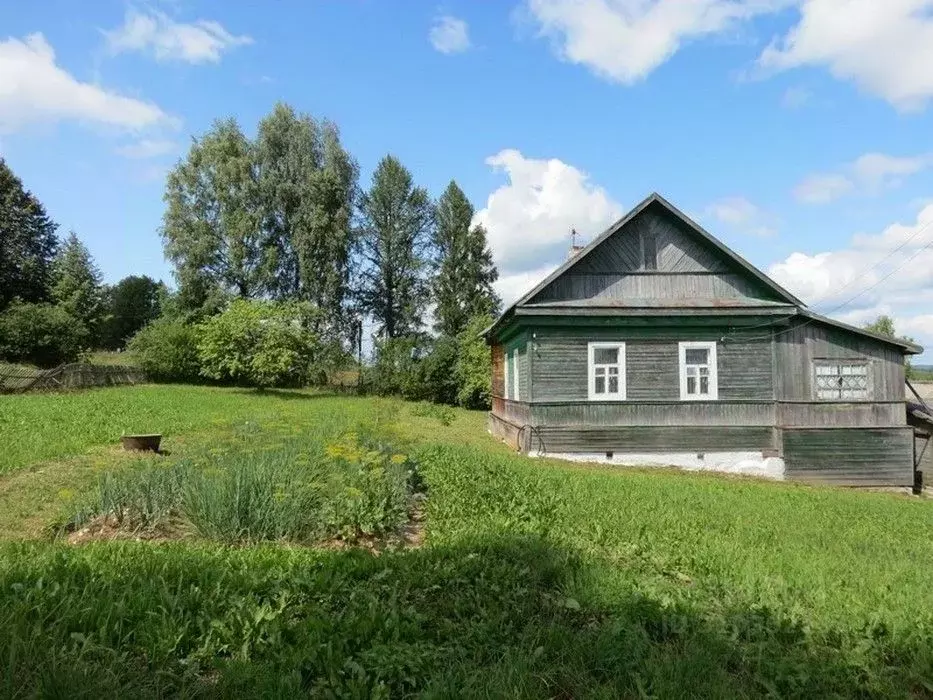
(27,243)
(396,220)
(77,285)
(465,270)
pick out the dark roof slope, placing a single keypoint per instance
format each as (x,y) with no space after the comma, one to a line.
(907,346)
(692,225)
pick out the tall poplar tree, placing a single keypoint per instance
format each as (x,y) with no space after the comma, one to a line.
(269,217)
(396,221)
(211,227)
(27,243)
(308,186)
(465,271)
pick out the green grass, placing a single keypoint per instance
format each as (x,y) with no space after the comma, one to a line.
(110,358)
(535,579)
(40,427)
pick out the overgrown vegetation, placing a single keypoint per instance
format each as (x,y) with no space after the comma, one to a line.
(303,490)
(535,579)
(267,344)
(280,259)
(40,334)
(167,349)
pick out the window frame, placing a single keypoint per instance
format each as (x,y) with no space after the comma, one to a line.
(713,365)
(516,378)
(833,362)
(592,347)
(507,375)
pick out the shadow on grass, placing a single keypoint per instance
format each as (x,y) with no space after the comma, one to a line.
(296,394)
(494,617)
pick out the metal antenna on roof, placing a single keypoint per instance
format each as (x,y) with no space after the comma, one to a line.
(574,248)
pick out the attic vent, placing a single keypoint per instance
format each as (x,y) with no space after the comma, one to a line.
(649,250)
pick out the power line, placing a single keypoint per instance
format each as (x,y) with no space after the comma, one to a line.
(854,278)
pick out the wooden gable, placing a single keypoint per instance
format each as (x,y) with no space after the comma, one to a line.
(655,256)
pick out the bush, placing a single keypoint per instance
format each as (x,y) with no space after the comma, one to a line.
(167,350)
(40,334)
(453,371)
(397,370)
(265,344)
(473,368)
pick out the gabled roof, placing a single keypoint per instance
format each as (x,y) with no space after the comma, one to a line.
(653,198)
(780,307)
(691,225)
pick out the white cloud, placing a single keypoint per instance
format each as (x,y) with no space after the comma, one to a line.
(512,287)
(450,35)
(868,174)
(885,47)
(529,219)
(154,32)
(34,89)
(899,261)
(890,273)
(822,188)
(625,40)
(741,215)
(877,170)
(148,148)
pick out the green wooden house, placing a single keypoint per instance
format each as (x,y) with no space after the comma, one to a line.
(657,344)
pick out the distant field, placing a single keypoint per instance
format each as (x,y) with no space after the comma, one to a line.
(110,358)
(531,578)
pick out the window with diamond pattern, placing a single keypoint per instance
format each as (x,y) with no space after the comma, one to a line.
(837,381)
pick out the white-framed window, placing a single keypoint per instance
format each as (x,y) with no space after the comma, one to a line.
(507,362)
(699,378)
(515,376)
(842,380)
(606,371)
(511,375)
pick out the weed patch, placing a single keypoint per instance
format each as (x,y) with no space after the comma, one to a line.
(302,490)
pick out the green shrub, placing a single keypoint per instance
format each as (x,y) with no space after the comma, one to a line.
(167,350)
(397,368)
(266,344)
(444,370)
(415,368)
(438,380)
(473,368)
(445,414)
(40,334)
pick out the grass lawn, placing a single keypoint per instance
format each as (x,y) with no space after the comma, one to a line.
(534,578)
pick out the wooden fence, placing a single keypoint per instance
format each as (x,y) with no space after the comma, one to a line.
(78,375)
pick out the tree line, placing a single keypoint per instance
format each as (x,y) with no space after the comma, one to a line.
(282,216)
(53,304)
(267,234)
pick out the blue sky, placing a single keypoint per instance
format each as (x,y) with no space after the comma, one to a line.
(798,131)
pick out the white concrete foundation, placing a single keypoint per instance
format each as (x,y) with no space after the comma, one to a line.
(750,463)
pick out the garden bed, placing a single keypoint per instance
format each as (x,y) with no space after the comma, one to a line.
(309,491)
